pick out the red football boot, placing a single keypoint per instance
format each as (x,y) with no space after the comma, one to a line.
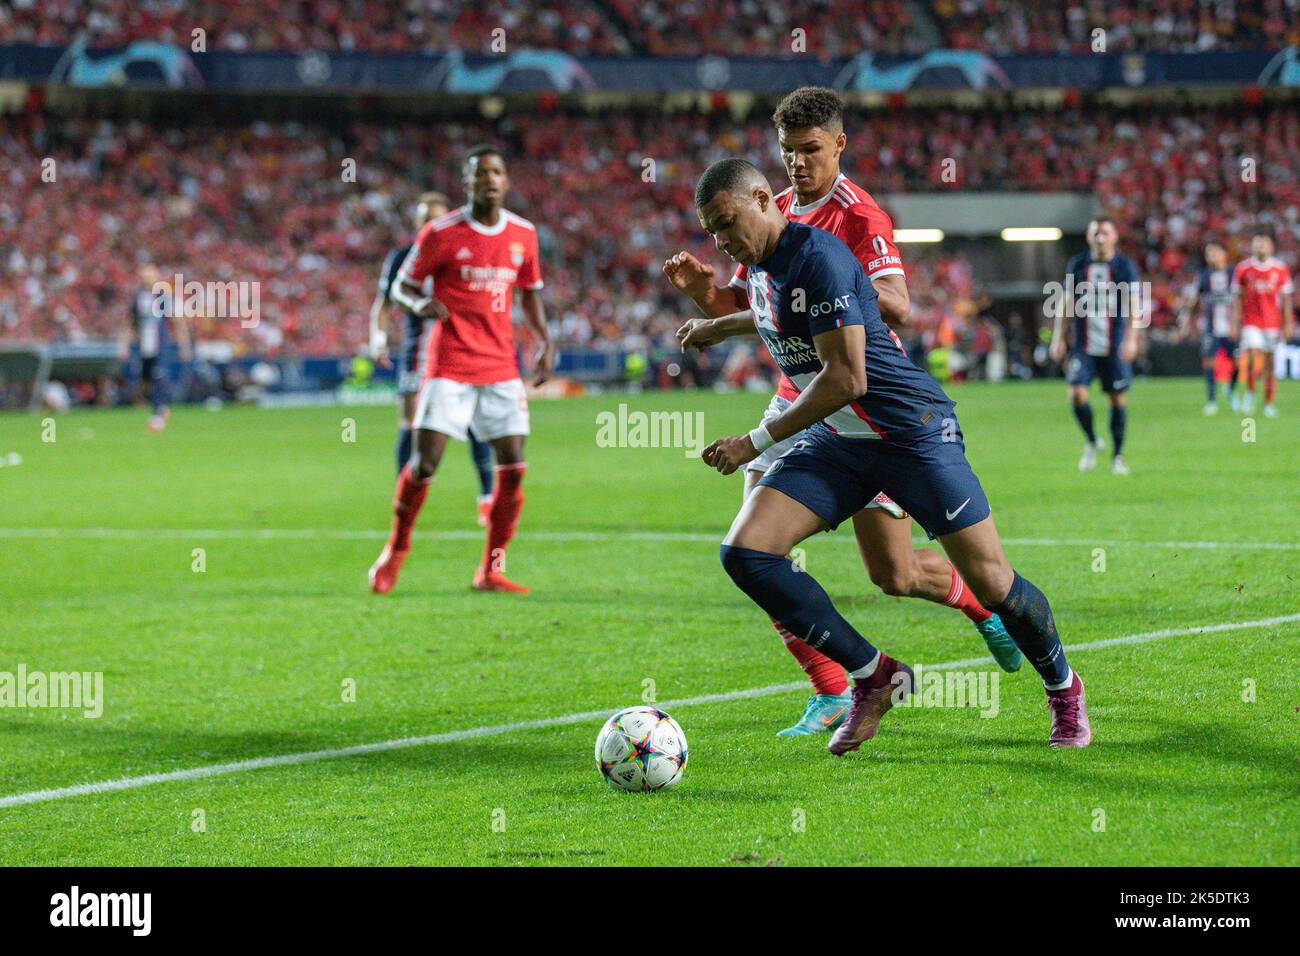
(496,581)
(383,573)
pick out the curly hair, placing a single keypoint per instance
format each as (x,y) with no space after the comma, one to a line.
(810,106)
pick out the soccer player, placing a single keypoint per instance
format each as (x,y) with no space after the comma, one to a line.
(154,321)
(476,256)
(1102,289)
(1261,311)
(810,131)
(416,335)
(1212,290)
(875,422)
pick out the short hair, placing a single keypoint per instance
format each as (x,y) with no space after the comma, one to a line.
(1100,219)
(810,106)
(434,199)
(1264,231)
(727,175)
(478,152)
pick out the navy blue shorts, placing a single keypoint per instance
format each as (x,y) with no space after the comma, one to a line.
(1210,345)
(836,477)
(410,360)
(1116,375)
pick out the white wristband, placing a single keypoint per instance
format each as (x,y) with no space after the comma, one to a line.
(760,438)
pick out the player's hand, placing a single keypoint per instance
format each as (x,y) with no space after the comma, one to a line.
(545,364)
(430,308)
(728,454)
(1057,351)
(698,334)
(1129,350)
(690,275)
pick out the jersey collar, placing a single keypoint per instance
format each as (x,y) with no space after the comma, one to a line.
(482,229)
(798,210)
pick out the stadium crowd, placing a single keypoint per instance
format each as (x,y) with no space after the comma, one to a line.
(833,28)
(274,204)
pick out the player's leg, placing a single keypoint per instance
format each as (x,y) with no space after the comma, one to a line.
(1269,359)
(501,419)
(1209,367)
(830,699)
(410,364)
(442,412)
(1079,373)
(1118,378)
(977,552)
(480,452)
(1230,349)
(1246,366)
(898,569)
(405,431)
(156,379)
(816,485)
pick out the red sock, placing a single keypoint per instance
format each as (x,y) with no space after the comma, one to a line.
(960,597)
(407,503)
(827,677)
(1270,389)
(507,502)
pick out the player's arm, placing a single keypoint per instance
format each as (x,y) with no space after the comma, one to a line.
(406,290)
(1187,308)
(701,333)
(695,279)
(535,316)
(1060,335)
(1288,317)
(843,378)
(1136,321)
(893,299)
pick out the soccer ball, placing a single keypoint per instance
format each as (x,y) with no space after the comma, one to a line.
(641,748)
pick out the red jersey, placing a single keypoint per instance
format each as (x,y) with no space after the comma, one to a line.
(1262,285)
(475,269)
(849,213)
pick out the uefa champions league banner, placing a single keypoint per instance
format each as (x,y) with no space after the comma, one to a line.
(149,63)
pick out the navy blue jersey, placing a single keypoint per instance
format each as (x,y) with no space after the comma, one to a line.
(1101,302)
(813,283)
(150,322)
(392,265)
(1214,289)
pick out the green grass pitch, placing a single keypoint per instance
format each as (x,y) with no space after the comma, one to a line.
(250,657)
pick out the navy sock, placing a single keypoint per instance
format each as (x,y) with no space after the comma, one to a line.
(1211,386)
(481,452)
(403,448)
(1028,619)
(1084,414)
(798,603)
(1118,419)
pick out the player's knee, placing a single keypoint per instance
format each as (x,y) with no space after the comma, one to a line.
(745,566)
(990,582)
(893,579)
(423,465)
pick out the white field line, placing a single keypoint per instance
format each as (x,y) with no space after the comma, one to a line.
(282,760)
(375,534)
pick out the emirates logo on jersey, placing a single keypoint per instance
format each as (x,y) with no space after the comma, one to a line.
(517,253)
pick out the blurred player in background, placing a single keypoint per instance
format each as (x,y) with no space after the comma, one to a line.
(810,132)
(1261,313)
(417,334)
(476,256)
(1212,290)
(157,335)
(1105,301)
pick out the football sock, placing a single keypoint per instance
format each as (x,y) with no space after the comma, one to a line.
(1211,385)
(481,452)
(793,598)
(1083,412)
(403,448)
(1028,619)
(407,503)
(1118,419)
(1270,389)
(503,516)
(960,597)
(827,677)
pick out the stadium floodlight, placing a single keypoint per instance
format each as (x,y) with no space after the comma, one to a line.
(1031,234)
(918,235)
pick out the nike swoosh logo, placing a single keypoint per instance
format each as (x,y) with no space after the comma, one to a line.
(827,721)
(952,514)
